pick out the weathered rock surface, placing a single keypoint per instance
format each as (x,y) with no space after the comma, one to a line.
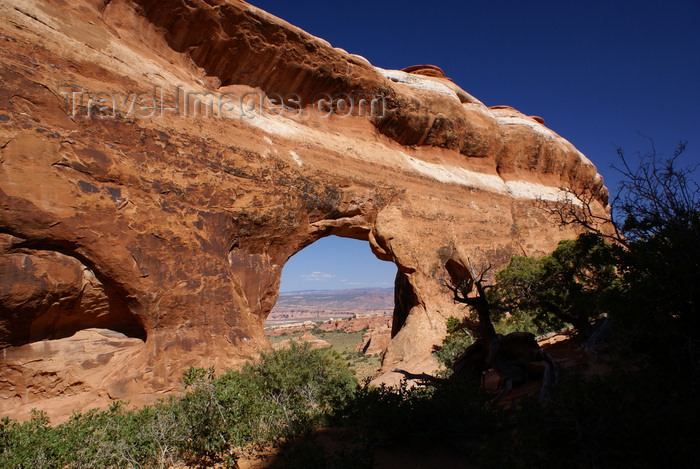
(170,227)
(376,340)
(356,324)
(77,372)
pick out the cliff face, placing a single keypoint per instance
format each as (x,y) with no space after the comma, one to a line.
(160,161)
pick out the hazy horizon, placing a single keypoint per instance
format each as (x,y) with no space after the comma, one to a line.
(336,289)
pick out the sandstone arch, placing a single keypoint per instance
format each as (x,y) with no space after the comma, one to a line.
(190,219)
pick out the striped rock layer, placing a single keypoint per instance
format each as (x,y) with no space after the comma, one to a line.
(161,161)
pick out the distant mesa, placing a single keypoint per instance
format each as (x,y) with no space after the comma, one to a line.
(322,305)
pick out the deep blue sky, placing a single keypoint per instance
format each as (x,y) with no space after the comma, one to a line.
(598,72)
(336,263)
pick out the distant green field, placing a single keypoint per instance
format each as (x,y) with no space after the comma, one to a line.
(343,342)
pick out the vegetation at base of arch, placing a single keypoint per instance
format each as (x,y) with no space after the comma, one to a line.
(285,393)
(640,411)
(577,282)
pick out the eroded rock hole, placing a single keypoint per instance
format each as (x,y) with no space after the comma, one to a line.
(336,293)
(50,295)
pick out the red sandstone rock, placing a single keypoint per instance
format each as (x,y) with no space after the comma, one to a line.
(356,324)
(425,70)
(173,231)
(375,341)
(285,330)
(77,372)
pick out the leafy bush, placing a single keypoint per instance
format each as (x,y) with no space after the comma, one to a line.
(644,412)
(318,380)
(454,343)
(285,393)
(574,284)
(388,415)
(30,444)
(144,438)
(522,321)
(577,282)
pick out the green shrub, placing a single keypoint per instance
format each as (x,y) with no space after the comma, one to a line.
(31,444)
(577,282)
(318,382)
(454,343)
(408,417)
(285,393)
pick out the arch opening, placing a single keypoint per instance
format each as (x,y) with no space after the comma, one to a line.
(336,292)
(61,294)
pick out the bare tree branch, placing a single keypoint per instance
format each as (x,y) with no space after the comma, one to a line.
(576,207)
(462,290)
